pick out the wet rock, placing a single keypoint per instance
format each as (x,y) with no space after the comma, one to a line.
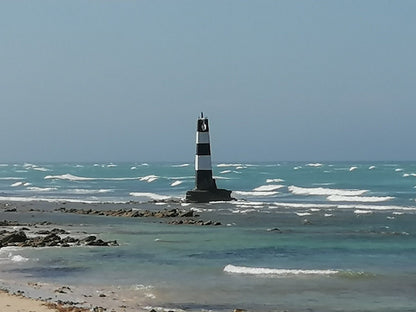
(88,239)
(15,237)
(277,230)
(43,232)
(59,231)
(187,214)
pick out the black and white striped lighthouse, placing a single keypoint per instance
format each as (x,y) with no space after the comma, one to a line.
(205,187)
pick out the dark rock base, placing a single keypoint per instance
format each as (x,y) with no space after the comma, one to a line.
(205,196)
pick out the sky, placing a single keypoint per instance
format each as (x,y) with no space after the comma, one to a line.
(125,80)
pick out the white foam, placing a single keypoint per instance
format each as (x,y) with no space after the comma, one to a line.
(18,258)
(324,191)
(50,200)
(256,193)
(266,271)
(20,183)
(68,177)
(375,207)
(41,189)
(328,215)
(175,183)
(41,169)
(353,168)
(366,199)
(90,191)
(71,177)
(150,195)
(229,165)
(398,169)
(303,214)
(149,178)
(314,165)
(268,187)
(274,180)
(180,166)
(303,205)
(225,171)
(358,211)
(371,167)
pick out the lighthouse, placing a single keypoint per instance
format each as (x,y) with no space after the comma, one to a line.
(205,187)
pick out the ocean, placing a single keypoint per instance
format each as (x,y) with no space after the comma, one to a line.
(330,236)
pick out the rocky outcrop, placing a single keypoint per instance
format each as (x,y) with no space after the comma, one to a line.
(49,239)
(179,216)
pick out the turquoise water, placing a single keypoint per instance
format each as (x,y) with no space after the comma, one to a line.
(346,239)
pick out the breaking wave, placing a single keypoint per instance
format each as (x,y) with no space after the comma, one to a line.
(71,177)
(41,189)
(314,165)
(175,183)
(274,180)
(68,177)
(255,193)
(324,191)
(268,187)
(365,199)
(149,178)
(152,196)
(180,166)
(278,272)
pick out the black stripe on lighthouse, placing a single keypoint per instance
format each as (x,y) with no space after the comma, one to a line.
(203,149)
(203,167)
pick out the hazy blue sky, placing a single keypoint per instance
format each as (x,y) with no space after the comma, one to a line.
(279,80)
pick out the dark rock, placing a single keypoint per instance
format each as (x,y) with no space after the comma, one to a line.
(277,230)
(187,214)
(88,239)
(43,232)
(69,239)
(59,231)
(15,237)
(51,238)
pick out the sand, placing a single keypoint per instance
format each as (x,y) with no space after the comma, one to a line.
(12,303)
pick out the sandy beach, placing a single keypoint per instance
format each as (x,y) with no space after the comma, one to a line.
(15,303)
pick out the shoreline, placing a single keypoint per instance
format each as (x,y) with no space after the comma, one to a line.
(18,303)
(39,220)
(26,294)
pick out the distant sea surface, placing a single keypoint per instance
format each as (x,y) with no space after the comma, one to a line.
(332,236)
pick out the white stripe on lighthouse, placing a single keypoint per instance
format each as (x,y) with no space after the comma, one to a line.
(202,137)
(203,162)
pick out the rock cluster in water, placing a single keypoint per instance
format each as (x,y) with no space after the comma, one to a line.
(45,238)
(181,216)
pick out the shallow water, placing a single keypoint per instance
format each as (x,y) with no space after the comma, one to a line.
(288,246)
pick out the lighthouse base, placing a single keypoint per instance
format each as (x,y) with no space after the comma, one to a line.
(205,196)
